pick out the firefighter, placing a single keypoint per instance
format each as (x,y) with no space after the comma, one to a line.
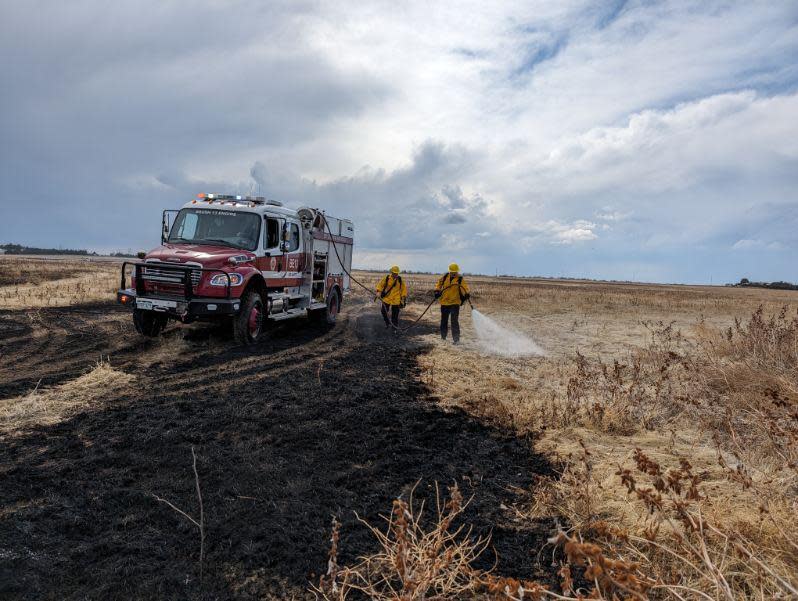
(392,291)
(452,291)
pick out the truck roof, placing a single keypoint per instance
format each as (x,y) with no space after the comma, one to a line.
(247,204)
(261,206)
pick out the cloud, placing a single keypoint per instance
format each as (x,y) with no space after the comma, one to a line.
(610,215)
(416,206)
(540,46)
(610,12)
(535,236)
(454,218)
(757,245)
(699,173)
(576,234)
(669,150)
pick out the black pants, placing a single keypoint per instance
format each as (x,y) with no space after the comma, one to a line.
(394,314)
(454,312)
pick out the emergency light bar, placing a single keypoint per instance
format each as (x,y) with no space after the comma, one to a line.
(231,197)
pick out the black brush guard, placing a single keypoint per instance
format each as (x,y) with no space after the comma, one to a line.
(188,305)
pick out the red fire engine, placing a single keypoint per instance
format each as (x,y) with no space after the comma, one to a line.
(243,259)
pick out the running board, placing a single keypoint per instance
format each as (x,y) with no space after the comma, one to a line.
(290,314)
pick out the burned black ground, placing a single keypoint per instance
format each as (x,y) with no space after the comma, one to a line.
(314,423)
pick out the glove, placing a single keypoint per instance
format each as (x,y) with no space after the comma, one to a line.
(437,294)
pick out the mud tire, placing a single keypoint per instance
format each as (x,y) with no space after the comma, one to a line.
(149,323)
(248,328)
(329,314)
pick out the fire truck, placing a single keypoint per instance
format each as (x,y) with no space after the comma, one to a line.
(245,260)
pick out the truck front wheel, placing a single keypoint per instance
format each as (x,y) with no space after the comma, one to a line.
(249,323)
(149,323)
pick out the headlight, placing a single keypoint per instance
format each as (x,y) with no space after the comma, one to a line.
(221,280)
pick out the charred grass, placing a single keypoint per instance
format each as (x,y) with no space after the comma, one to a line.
(313,424)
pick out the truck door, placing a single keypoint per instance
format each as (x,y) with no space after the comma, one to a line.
(294,252)
(272,259)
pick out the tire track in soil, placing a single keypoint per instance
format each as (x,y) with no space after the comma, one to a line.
(310,424)
(58,344)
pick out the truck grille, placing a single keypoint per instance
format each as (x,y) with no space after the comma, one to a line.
(169,276)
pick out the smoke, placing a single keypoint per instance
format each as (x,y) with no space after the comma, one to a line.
(498,340)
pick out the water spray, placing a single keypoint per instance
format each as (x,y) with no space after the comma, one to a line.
(496,339)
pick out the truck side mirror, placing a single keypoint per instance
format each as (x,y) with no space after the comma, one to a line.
(164,227)
(167,221)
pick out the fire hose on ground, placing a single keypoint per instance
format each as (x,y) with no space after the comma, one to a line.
(370,291)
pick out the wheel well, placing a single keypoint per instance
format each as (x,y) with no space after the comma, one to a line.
(337,290)
(257,283)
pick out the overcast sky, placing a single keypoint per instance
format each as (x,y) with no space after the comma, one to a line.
(652,141)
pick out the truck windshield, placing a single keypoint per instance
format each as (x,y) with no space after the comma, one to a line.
(211,226)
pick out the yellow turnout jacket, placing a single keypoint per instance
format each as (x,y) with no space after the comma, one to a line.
(450,290)
(395,289)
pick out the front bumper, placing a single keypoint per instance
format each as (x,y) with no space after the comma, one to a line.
(185,306)
(179,308)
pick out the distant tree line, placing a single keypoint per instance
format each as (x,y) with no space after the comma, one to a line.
(19,249)
(746,283)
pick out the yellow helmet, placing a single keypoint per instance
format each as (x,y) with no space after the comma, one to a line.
(454,268)
(394,269)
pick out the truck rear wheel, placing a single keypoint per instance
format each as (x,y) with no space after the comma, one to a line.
(248,325)
(149,323)
(329,314)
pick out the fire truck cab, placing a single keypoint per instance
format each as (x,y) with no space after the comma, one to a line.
(242,259)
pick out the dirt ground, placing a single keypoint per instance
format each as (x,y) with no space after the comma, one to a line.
(314,423)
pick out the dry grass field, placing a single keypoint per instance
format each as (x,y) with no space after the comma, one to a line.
(652,452)
(31,282)
(672,412)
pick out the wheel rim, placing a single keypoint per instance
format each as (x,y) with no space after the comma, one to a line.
(333,310)
(255,320)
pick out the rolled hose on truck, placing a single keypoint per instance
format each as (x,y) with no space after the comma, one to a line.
(369,291)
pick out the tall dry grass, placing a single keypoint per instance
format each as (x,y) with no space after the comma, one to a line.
(723,531)
(27,282)
(417,558)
